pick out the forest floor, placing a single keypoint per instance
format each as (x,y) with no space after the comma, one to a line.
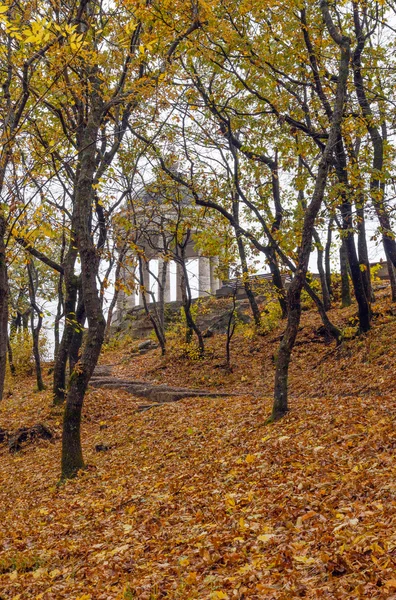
(201,499)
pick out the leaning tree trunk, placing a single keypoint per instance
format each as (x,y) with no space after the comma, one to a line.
(72,456)
(4,293)
(280,405)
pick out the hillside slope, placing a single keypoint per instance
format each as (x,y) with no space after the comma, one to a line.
(200,499)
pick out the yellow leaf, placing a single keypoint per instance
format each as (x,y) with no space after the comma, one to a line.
(39,573)
(391,583)
(304,559)
(183,562)
(265,537)
(191,578)
(219,595)
(250,458)
(230,502)
(55,573)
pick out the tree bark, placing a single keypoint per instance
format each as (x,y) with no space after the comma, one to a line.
(11,358)
(71,287)
(363,302)
(114,299)
(345,288)
(364,308)
(392,279)
(363,251)
(4,294)
(35,328)
(246,281)
(156,322)
(78,333)
(376,183)
(72,456)
(322,273)
(280,404)
(328,256)
(186,300)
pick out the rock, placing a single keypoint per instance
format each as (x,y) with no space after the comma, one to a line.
(161,394)
(102,370)
(147,345)
(219,324)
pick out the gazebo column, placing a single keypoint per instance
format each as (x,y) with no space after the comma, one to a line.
(204,279)
(215,282)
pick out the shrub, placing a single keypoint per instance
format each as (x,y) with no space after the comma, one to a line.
(22,351)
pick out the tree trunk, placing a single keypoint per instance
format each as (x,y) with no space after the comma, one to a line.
(71,287)
(364,308)
(58,316)
(363,251)
(277,281)
(280,405)
(328,256)
(322,274)
(155,320)
(35,328)
(246,281)
(331,329)
(114,299)
(4,293)
(231,328)
(11,358)
(72,457)
(36,350)
(392,278)
(78,333)
(376,183)
(362,300)
(345,289)
(186,301)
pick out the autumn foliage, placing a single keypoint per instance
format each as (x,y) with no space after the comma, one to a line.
(203,499)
